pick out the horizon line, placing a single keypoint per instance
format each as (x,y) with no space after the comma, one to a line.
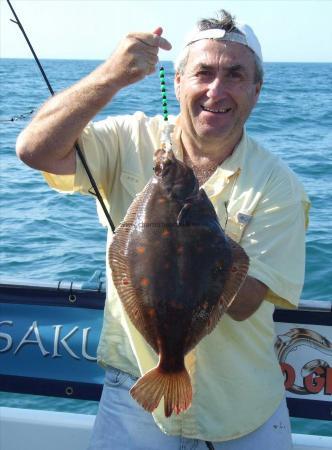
(161,61)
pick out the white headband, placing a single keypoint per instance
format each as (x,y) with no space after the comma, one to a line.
(247,37)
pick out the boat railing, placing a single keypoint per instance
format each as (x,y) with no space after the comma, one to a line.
(49,334)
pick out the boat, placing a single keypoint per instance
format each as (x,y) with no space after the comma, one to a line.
(48,340)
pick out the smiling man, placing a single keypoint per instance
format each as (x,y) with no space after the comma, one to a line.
(217,90)
(238,394)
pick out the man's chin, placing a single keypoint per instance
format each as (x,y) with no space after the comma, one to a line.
(213,133)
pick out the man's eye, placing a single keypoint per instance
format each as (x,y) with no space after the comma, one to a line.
(235,75)
(204,73)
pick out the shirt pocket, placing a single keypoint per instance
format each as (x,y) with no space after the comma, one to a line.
(131,182)
(236,225)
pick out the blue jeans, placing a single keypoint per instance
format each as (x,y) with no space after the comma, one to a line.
(121,424)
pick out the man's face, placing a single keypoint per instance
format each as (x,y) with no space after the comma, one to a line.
(216,90)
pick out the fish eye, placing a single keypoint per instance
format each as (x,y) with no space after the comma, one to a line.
(217,270)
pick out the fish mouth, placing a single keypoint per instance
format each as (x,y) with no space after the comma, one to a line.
(162,160)
(215,110)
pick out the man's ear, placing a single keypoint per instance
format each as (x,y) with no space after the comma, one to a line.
(258,88)
(177,80)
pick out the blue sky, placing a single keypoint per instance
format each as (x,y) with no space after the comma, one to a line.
(294,31)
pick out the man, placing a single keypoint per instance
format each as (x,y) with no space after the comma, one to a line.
(238,400)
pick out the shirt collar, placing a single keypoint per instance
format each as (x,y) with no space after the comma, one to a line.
(225,171)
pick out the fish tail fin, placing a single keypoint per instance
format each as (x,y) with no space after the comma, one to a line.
(175,387)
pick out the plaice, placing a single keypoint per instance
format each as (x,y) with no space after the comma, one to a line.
(176,273)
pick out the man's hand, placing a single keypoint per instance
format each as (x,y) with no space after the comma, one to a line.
(48,141)
(136,57)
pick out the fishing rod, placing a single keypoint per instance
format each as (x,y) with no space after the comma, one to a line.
(77,147)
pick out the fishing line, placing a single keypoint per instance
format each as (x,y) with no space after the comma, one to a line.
(77,147)
(166,135)
(20,117)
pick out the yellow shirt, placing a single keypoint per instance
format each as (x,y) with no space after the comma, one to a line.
(237,382)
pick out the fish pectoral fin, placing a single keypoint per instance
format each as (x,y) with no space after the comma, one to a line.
(236,275)
(202,323)
(181,220)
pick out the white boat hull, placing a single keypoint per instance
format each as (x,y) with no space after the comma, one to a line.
(24,429)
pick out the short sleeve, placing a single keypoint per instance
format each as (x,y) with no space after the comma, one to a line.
(99,144)
(275,240)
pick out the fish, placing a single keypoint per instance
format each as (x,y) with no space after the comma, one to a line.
(176,273)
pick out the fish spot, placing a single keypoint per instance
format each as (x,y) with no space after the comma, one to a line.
(166,233)
(161,200)
(125,281)
(145,282)
(151,312)
(140,250)
(176,305)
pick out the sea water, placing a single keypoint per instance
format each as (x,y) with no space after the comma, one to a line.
(47,236)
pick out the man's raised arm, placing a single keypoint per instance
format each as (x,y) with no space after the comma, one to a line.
(48,141)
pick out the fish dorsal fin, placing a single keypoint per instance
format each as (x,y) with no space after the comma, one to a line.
(235,278)
(181,220)
(131,297)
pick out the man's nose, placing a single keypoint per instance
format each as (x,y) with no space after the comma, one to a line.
(216,88)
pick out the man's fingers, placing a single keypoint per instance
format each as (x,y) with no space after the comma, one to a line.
(152,60)
(137,56)
(158,31)
(164,44)
(151,68)
(152,39)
